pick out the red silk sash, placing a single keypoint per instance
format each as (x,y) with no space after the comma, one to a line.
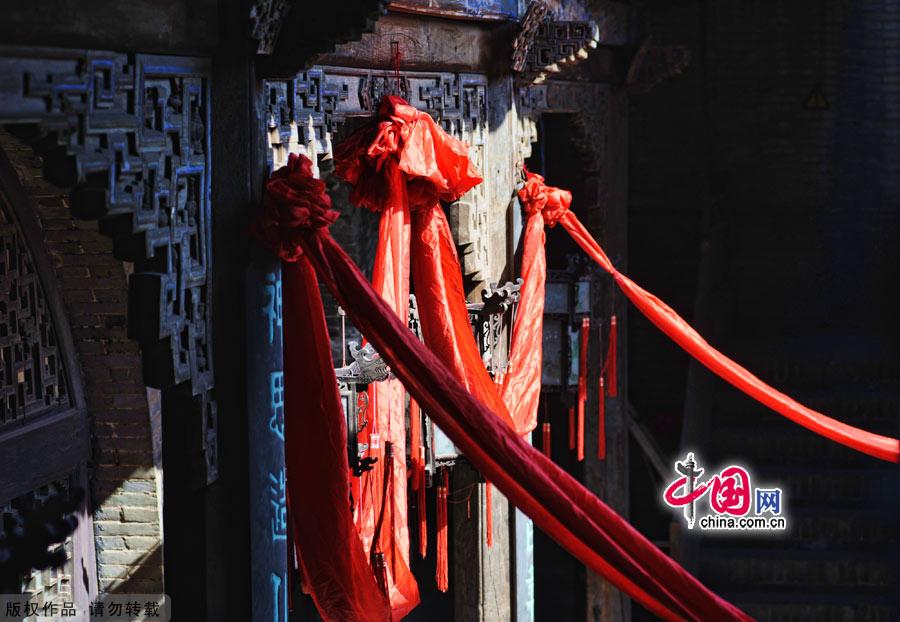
(554,500)
(664,317)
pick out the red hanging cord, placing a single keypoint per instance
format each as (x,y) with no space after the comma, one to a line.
(423,518)
(489,513)
(415,441)
(546,439)
(442,569)
(582,384)
(601,421)
(377,555)
(611,375)
(417,472)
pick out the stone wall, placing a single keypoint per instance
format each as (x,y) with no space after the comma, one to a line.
(125,486)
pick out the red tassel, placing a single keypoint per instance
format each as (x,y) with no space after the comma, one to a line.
(417,471)
(580,454)
(611,376)
(442,570)
(571,427)
(546,441)
(601,421)
(489,513)
(423,518)
(582,384)
(415,440)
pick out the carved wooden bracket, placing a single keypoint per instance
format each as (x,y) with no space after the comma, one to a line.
(654,64)
(543,45)
(289,33)
(129,134)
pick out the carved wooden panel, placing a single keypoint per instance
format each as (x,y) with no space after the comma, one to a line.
(130,135)
(32,379)
(556,43)
(306,113)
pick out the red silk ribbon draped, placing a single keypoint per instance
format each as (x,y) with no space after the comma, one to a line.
(342,586)
(521,389)
(402,166)
(405,161)
(557,503)
(669,322)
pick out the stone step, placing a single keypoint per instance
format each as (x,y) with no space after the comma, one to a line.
(744,569)
(814,529)
(817,361)
(791,446)
(829,487)
(827,606)
(876,410)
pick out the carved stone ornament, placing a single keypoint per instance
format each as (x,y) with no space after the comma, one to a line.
(367,366)
(129,134)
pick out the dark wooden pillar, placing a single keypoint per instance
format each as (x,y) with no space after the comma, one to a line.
(234,132)
(608,221)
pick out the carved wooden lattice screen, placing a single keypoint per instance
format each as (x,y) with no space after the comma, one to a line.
(44,445)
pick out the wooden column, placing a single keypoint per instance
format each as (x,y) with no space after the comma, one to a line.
(480,575)
(608,221)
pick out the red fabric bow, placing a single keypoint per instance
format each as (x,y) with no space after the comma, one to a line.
(434,165)
(402,166)
(293,200)
(549,201)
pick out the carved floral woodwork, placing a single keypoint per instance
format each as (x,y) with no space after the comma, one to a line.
(129,134)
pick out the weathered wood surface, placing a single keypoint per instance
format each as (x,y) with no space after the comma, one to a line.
(156,26)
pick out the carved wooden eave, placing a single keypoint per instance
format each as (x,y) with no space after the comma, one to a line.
(129,135)
(290,33)
(544,45)
(654,64)
(481,10)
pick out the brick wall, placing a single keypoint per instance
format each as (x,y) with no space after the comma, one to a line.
(125,481)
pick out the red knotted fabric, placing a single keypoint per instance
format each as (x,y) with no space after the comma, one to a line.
(342,586)
(553,499)
(405,161)
(402,166)
(521,389)
(682,333)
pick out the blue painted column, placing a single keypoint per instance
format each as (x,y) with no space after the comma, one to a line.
(265,432)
